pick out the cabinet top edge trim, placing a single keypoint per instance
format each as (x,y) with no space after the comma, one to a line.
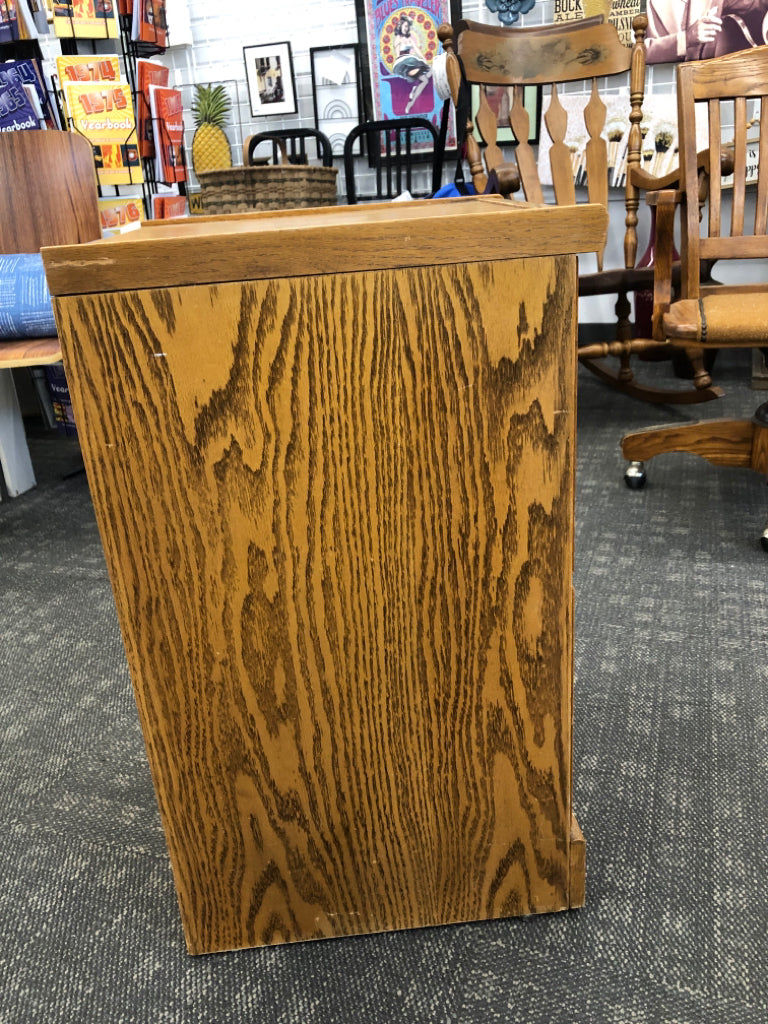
(299,243)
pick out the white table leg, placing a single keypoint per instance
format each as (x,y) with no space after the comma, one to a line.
(14,453)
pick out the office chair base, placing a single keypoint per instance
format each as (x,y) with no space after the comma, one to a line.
(634,476)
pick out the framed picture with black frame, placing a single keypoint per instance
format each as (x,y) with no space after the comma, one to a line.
(337,84)
(500,100)
(271,83)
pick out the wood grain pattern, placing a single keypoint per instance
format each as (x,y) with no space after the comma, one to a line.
(557,53)
(338,517)
(29,352)
(721,442)
(297,243)
(39,208)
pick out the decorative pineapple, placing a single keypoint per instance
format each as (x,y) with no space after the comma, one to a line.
(210,146)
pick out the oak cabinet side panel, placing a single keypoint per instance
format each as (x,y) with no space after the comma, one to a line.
(337,514)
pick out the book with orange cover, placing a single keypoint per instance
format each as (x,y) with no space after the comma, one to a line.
(85,19)
(147,73)
(149,22)
(168,207)
(103,113)
(167,111)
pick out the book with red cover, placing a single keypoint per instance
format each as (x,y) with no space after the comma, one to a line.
(147,73)
(168,207)
(149,22)
(167,111)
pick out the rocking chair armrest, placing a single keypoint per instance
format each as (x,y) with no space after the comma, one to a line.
(651,183)
(671,197)
(665,202)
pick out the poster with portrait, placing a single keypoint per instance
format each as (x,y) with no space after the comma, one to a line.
(697,29)
(402,44)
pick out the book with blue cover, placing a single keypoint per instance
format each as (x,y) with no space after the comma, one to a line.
(17,107)
(28,73)
(9,23)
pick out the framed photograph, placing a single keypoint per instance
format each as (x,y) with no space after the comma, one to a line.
(336,91)
(401,44)
(271,85)
(500,100)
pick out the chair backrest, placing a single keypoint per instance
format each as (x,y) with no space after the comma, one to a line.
(396,150)
(49,190)
(295,142)
(555,58)
(730,96)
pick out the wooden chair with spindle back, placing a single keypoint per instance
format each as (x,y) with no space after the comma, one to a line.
(48,196)
(710,315)
(574,56)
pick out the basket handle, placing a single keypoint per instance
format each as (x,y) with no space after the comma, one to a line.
(283,150)
(247,145)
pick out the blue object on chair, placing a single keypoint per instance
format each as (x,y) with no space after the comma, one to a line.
(25,302)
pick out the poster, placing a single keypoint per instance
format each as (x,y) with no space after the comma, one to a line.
(700,29)
(620,13)
(402,44)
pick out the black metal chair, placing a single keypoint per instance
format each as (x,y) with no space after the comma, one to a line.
(295,142)
(395,153)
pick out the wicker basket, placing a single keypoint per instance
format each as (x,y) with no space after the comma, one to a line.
(272,187)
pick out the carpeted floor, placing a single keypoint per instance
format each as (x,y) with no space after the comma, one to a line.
(670,767)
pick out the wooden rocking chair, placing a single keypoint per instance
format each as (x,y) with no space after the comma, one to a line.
(556,56)
(710,315)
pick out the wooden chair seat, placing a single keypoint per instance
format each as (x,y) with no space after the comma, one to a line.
(714,321)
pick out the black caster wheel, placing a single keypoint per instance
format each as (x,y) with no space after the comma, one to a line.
(634,477)
(764,539)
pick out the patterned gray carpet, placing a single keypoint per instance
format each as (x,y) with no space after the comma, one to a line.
(671,787)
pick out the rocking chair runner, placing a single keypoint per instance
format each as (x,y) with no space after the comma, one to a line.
(710,315)
(582,51)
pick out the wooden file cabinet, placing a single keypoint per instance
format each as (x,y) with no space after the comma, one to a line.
(332,459)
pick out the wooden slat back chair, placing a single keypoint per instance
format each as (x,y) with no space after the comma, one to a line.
(574,56)
(730,91)
(48,196)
